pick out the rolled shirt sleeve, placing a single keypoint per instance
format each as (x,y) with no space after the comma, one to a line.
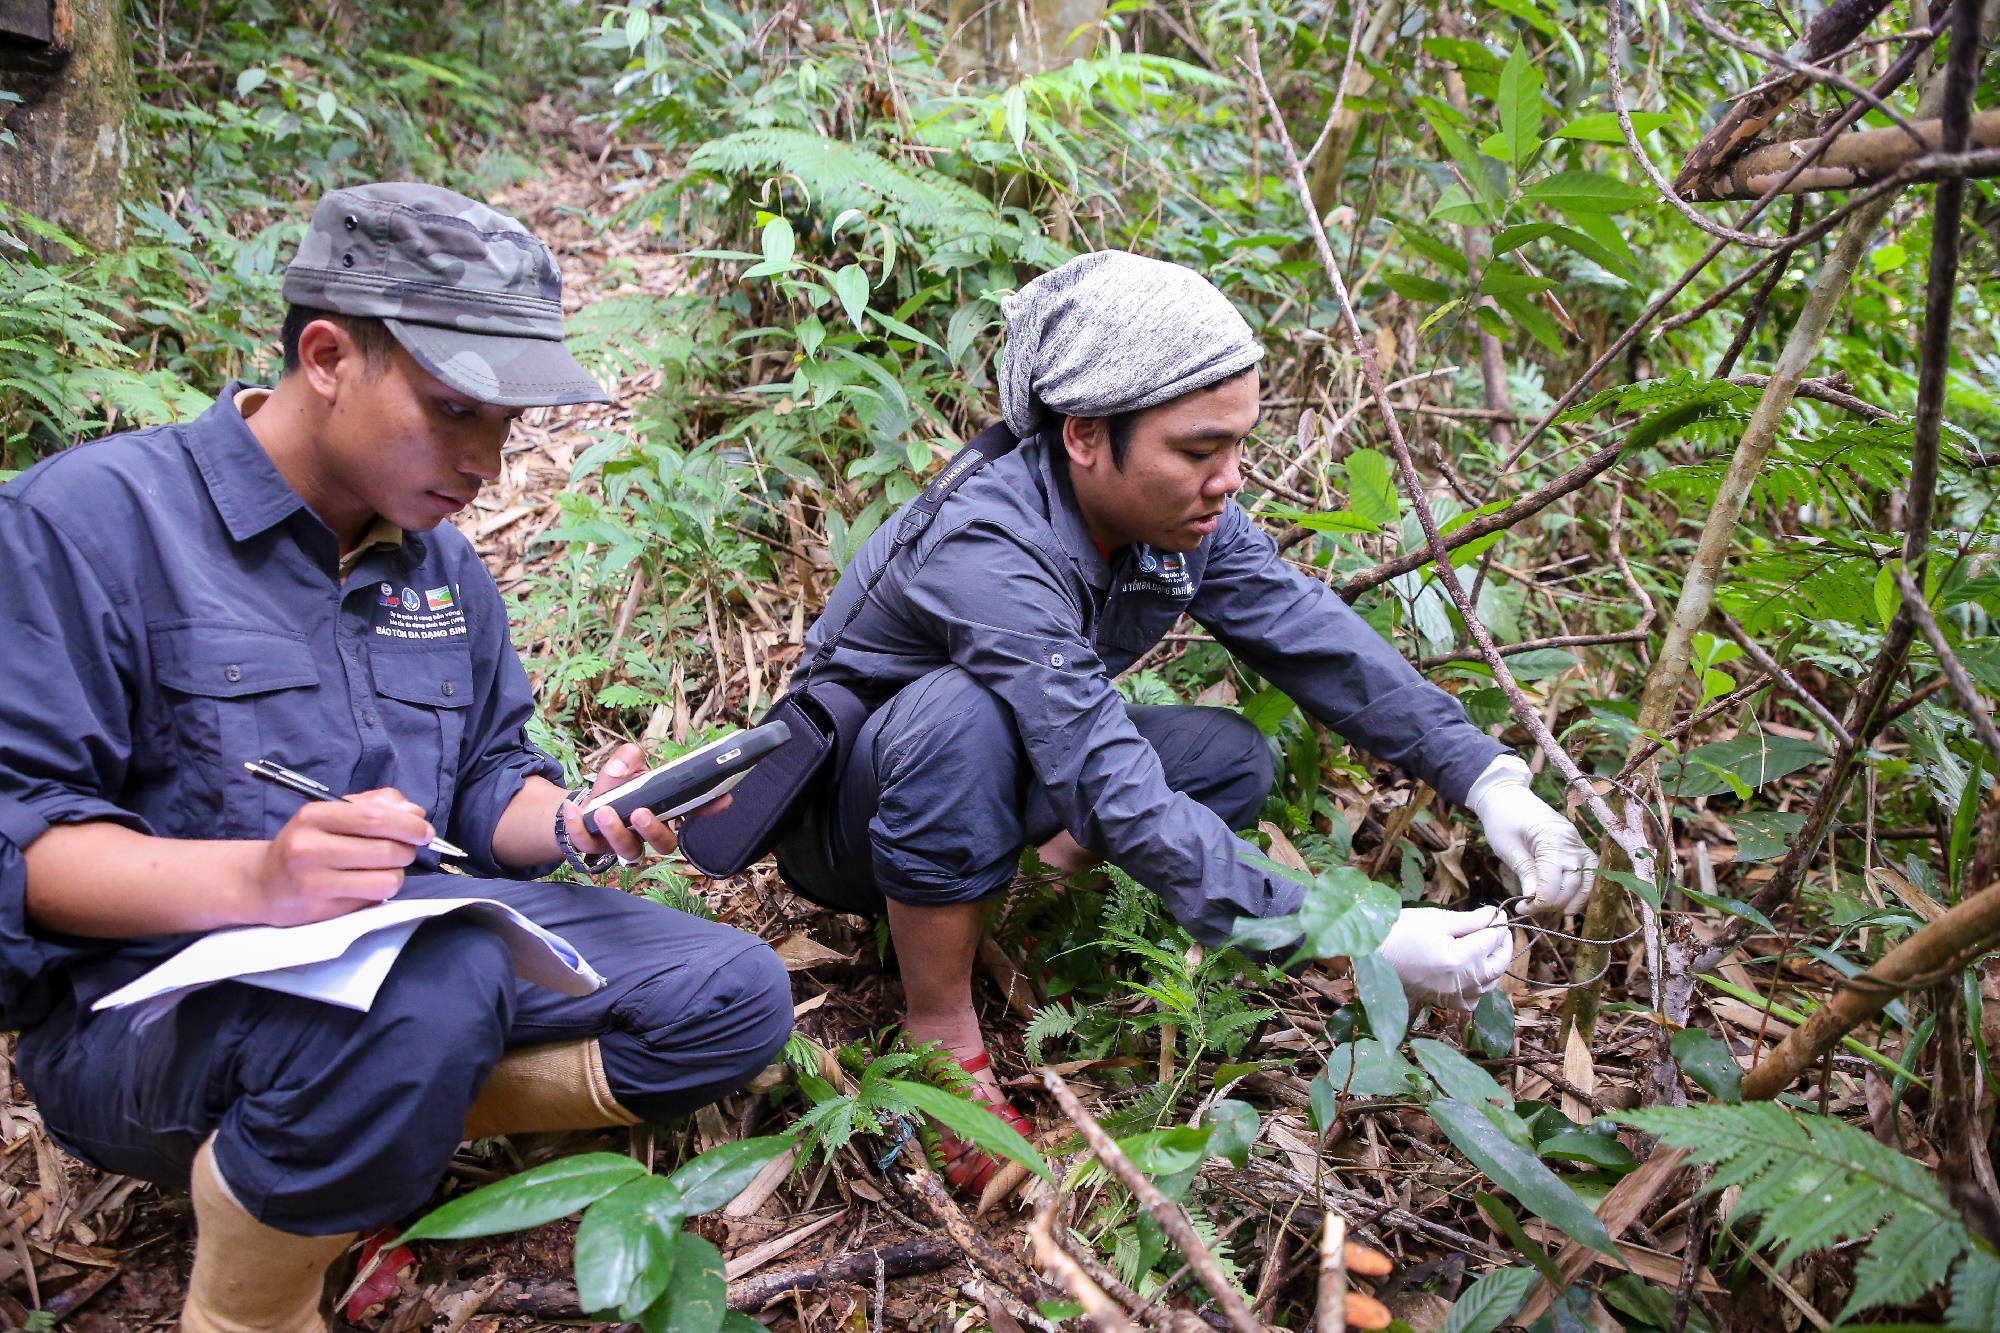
(1299,635)
(66,742)
(1002,611)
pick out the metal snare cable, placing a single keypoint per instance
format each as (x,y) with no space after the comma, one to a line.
(1508,905)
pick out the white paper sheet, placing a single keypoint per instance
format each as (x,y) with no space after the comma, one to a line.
(344,961)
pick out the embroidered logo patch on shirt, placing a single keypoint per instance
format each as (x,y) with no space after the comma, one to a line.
(385,595)
(433,613)
(1161,572)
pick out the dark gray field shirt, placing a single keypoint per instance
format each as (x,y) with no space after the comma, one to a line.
(172,609)
(1007,585)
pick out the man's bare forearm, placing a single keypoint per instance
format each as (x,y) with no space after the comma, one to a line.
(106,881)
(526,833)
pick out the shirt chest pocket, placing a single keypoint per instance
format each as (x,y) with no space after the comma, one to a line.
(237,693)
(1133,621)
(425,697)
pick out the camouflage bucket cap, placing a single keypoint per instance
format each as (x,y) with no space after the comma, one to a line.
(469,292)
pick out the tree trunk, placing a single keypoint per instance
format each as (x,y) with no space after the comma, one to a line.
(1004,39)
(71,63)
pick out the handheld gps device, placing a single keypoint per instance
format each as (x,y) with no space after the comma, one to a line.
(694,779)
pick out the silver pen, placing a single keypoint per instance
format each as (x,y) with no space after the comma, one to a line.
(299,784)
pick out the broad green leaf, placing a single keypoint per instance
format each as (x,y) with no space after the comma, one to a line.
(1520,1173)
(1381,995)
(1756,758)
(1582,1143)
(1233,1128)
(735,1321)
(1520,107)
(1529,13)
(529,1199)
(1587,192)
(250,80)
(714,1179)
(1513,238)
(1267,708)
(1649,1306)
(1347,915)
(1492,1026)
(1323,1104)
(1530,316)
(850,284)
(1763,834)
(1540,664)
(625,1246)
(1490,1302)
(1464,54)
(1503,279)
(1367,1068)
(1338,520)
(1602,126)
(1166,1152)
(779,243)
(1416,288)
(1605,257)
(1458,1076)
(972,1122)
(1507,1224)
(1709,1063)
(1431,248)
(1371,487)
(698,1298)
(1645,888)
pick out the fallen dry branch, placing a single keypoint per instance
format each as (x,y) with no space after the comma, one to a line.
(1850,162)
(1167,1213)
(1932,953)
(1831,29)
(1025,1286)
(1106,1313)
(922,1254)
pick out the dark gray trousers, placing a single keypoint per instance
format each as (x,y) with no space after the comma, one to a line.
(937,799)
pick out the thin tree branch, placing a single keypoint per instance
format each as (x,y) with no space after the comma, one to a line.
(1934,952)
(1769,665)
(1106,1313)
(1534,645)
(1167,1213)
(1628,835)
(1527,506)
(1969,701)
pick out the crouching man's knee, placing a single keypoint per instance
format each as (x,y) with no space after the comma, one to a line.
(673,1052)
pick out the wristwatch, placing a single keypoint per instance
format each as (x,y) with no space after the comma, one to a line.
(594,863)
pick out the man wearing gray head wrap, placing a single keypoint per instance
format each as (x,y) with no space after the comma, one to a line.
(1087,340)
(987,644)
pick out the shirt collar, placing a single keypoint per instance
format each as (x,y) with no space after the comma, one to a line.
(249,492)
(382,535)
(1067,519)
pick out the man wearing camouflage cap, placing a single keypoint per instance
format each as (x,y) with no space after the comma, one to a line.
(274,580)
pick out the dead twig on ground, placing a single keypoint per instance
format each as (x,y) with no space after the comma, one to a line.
(1167,1213)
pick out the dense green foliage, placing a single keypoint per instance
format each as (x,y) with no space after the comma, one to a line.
(852,206)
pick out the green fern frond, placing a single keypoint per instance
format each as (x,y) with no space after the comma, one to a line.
(839,176)
(1814,1181)
(1051,1020)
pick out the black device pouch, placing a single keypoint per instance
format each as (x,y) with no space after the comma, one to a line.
(781,802)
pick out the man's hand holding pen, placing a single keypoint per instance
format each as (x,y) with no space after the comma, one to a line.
(336,857)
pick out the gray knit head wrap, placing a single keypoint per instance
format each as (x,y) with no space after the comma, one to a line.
(1113,332)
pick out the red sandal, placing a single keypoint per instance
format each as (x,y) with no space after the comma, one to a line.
(965,1167)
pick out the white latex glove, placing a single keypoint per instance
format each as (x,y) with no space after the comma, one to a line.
(1449,958)
(1539,850)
